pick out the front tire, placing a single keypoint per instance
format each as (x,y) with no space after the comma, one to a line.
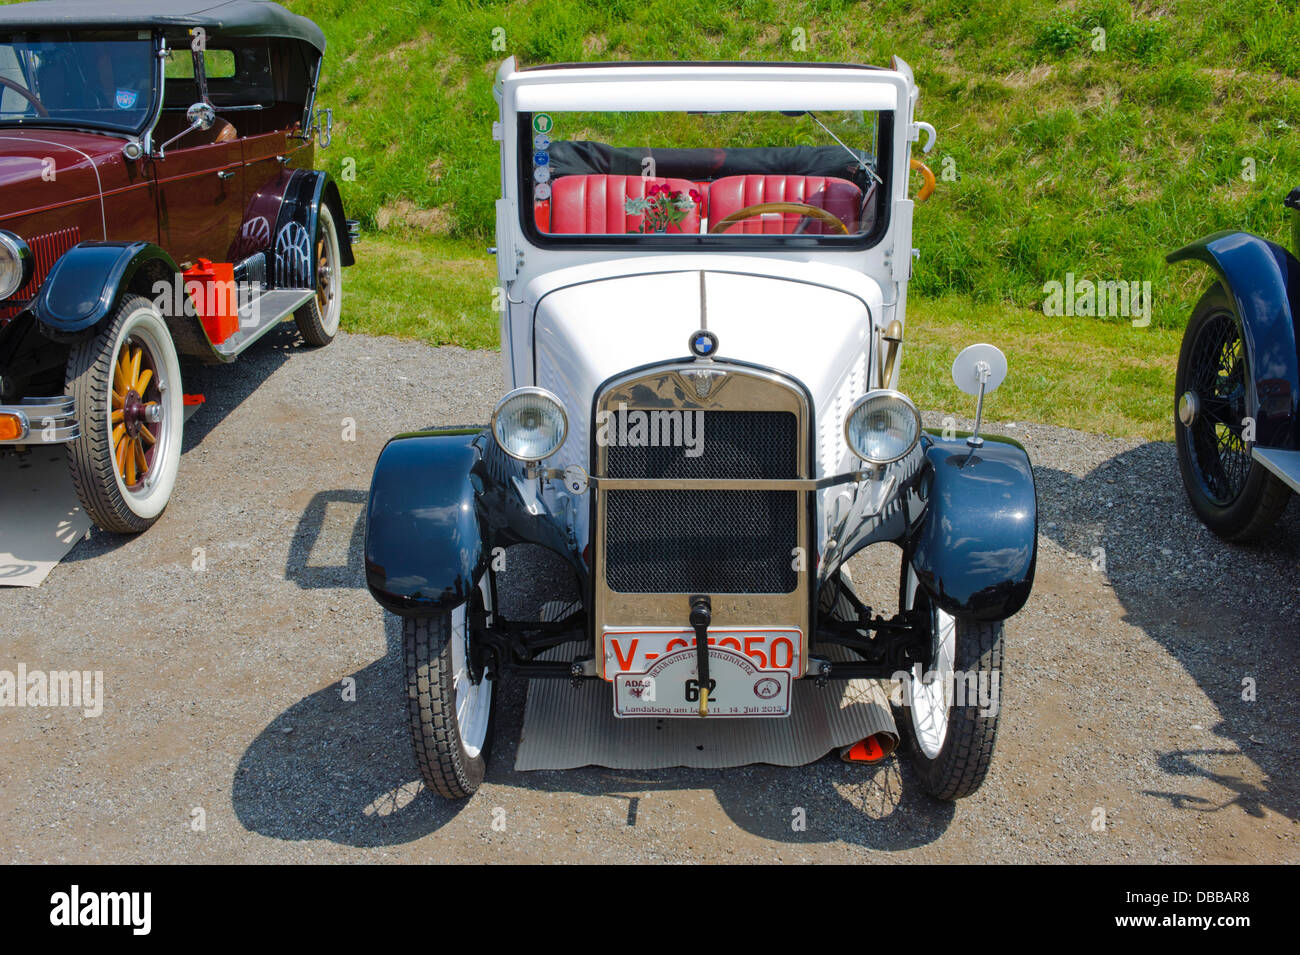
(126,382)
(950,719)
(450,715)
(1233,494)
(318,319)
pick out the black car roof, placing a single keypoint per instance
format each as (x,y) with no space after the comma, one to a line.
(223,18)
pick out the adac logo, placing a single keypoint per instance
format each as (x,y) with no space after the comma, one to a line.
(703,344)
(125,99)
(766,688)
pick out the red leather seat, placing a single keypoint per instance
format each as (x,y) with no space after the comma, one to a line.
(593,204)
(838,196)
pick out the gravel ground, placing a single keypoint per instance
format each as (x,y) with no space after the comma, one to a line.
(225,686)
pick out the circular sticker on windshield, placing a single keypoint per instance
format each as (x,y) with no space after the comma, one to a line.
(542,174)
(541,141)
(542,123)
(542,191)
(541,159)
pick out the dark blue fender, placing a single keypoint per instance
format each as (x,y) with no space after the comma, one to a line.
(1262,280)
(86,281)
(976,546)
(440,503)
(425,548)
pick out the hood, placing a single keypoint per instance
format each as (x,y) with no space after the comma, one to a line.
(39,167)
(587,332)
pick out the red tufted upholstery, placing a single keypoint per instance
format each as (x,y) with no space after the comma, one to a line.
(838,196)
(593,204)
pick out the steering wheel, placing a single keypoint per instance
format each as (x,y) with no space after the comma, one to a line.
(26,94)
(796,207)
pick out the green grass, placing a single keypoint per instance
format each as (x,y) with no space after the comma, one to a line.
(430,289)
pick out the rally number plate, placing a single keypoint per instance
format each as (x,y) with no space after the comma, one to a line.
(655,673)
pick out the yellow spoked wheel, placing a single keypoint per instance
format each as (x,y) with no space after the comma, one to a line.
(126,382)
(135,407)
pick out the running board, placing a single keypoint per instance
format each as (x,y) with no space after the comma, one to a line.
(259,316)
(1285,464)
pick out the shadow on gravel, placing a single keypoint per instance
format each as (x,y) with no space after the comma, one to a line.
(224,387)
(1228,614)
(344,772)
(299,567)
(327,768)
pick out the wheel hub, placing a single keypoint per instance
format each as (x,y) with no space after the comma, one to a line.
(133,413)
(1189,408)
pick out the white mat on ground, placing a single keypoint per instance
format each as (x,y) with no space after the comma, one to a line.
(566,727)
(40,516)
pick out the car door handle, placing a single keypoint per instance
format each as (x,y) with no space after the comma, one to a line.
(226,174)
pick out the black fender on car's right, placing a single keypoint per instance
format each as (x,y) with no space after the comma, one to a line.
(976,546)
(1262,281)
(440,503)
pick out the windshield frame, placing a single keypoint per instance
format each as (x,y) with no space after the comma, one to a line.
(691,242)
(142,130)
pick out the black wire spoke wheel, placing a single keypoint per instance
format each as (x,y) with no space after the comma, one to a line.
(1216,375)
(1232,494)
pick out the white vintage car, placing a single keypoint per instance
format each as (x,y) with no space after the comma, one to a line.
(703,272)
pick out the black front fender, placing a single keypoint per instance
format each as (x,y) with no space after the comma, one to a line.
(86,282)
(425,548)
(976,546)
(1262,280)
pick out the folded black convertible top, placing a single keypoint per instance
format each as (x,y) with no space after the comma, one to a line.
(227,18)
(580,157)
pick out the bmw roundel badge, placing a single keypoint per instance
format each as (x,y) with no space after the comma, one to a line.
(703,343)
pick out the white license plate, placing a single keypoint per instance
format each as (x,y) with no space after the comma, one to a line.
(671,687)
(655,672)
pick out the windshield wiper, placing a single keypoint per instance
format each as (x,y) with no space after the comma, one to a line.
(856,158)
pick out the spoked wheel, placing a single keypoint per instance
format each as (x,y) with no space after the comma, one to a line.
(318,319)
(450,700)
(126,382)
(951,709)
(1234,495)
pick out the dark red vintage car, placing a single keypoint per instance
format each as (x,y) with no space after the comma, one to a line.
(157,198)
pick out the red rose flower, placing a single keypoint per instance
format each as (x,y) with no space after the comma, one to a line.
(654,189)
(695,196)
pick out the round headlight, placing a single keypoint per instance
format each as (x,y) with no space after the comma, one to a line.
(15,264)
(530,424)
(882,426)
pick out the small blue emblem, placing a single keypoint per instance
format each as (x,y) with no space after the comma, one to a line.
(125,99)
(703,343)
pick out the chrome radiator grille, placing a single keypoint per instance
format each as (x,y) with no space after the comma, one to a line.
(686,541)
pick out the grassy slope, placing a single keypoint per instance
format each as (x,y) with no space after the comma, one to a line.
(1067,159)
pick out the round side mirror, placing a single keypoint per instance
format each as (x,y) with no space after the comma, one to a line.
(978,363)
(201,116)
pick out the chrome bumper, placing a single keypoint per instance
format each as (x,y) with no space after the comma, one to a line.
(42,421)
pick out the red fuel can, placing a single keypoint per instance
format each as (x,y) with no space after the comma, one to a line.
(211,285)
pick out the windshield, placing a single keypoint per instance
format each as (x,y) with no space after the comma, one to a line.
(89,79)
(727,174)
